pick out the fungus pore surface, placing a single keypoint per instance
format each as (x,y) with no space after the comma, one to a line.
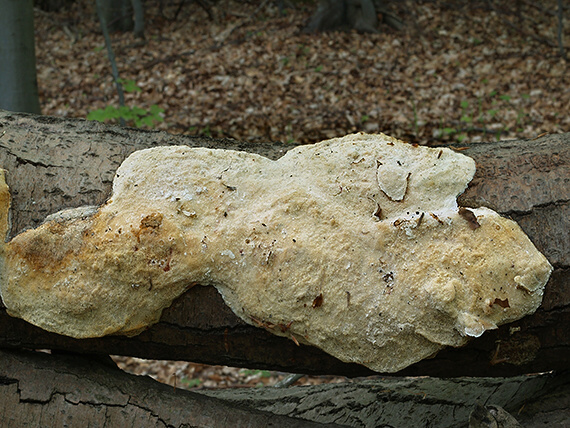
(355,245)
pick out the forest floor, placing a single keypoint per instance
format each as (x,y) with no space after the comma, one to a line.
(478,70)
(459,71)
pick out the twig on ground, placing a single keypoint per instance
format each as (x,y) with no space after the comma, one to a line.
(288,380)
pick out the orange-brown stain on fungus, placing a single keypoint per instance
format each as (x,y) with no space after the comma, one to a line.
(502,303)
(318,301)
(285,327)
(151,221)
(263,324)
(378,212)
(436,218)
(469,217)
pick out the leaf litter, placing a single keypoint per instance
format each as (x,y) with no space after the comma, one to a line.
(457,72)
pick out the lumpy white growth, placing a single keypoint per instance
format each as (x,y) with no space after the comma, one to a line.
(354,245)
(393,178)
(228,253)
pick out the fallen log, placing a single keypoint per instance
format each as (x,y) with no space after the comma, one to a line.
(38,389)
(57,163)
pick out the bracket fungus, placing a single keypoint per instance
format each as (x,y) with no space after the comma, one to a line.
(355,245)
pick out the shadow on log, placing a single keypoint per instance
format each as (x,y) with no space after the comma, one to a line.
(61,163)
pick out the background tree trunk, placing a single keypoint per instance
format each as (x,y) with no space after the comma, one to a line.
(138,10)
(61,163)
(18,83)
(118,14)
(360,15)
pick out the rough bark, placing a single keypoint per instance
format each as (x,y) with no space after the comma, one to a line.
(59,163)
(535,401)
(38,389)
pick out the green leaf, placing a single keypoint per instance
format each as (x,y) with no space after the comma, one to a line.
(191,383)
(464,104)
(112,112)
(129,85)
(148,121)
(124,112)
(156,110)
(138,111)
(98,115)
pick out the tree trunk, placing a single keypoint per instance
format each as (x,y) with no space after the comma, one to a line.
(138,10)
(330,15)
(360,15)
(118,15)
(61,163)
(18,83)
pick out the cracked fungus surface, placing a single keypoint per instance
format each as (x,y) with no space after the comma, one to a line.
(355,245)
